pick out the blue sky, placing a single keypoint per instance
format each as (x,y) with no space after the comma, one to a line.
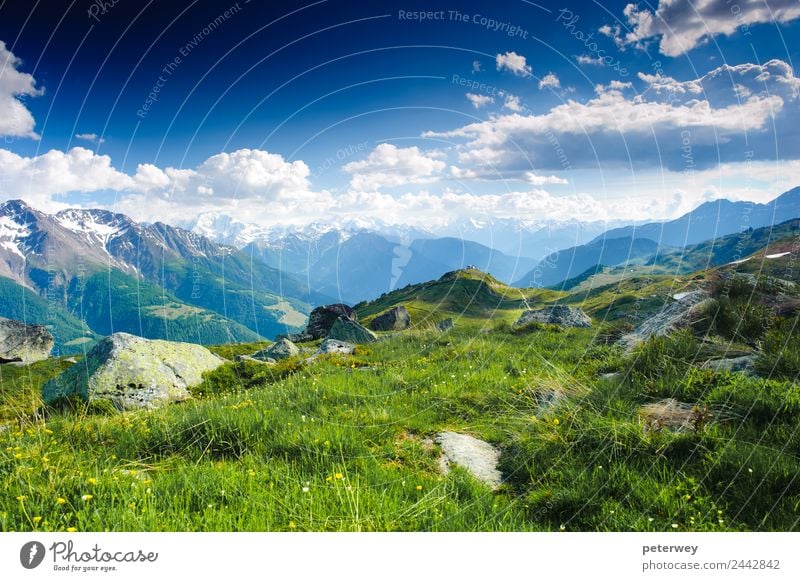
(426,111)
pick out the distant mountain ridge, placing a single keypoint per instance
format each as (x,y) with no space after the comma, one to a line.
(713,220)
(209,292)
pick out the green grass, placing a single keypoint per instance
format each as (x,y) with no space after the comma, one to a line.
(343,444)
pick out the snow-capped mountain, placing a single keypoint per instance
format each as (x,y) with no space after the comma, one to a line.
(78,256)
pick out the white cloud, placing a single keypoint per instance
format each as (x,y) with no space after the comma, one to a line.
(680,25)
(479,101)
(476,67)
(512,103)
(649,128)
(585,59)
(516,63)
(15,119)
(537,180)
(90,137)
(550,81)
(44,177)
(388,165)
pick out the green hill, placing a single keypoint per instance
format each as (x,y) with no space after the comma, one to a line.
(112,301)
(71,335)
(467,294)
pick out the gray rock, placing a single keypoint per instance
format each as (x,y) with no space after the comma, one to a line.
(23,343)
(479,458)
(277,351)
(335,346)
(445,325)
(556,315)
(295,337)
(134,373)
(322,319)
(251,359)
(743,364)
(395,319)
(351,332)
(672,316)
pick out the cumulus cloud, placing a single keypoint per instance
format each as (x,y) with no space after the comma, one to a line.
(90,137)
(516,63)
(651,128)
(512,103)
(389,165)
(680,25)
(550,81)
(15,119)
(585,59)
(479,101)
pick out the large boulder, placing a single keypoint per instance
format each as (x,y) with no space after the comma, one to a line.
(322,319)
(277,351)
(395,319)
(23,343)
(351,332)
(336,346)
(134,373)
(556,315)
(675,315)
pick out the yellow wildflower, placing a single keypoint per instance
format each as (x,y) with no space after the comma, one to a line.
(72,530)
(92,481)
(60,500)
(339,476)
(419,487)
(87,497)
(37,520)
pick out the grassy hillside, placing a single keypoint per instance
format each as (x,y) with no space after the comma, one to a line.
(346,443)
(71,335)
(468,295)
(112,302)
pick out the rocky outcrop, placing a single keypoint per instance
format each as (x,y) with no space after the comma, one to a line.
(23,343)
(134,373)
(445,325)
(479,458)
(744,364)
(351,332)
(336,346)
(395,319)
(673,316)
(277,351)
(556,315)
(321,319)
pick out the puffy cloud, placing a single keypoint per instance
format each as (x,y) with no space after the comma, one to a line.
(479,101)
(43,177)
(537,180)
(707,115)
(585,59)
(90,137)
(516,63)
(680,25)
(15,119)
(388,165)
(512,103)
(550,81)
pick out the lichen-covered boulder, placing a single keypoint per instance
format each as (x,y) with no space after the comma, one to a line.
(395,319)
(555,315)
(277,351)
(322,319)
(336,346)
(351,332)
(134,373)
(23,343)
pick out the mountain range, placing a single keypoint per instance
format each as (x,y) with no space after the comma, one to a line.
(152,279)
(87,273)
